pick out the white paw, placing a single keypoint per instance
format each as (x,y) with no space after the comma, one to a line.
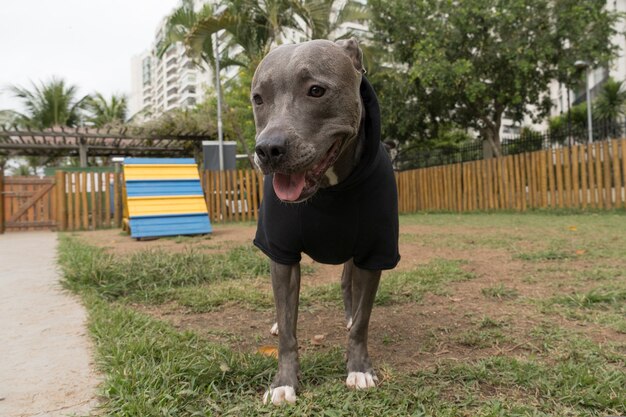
(361,380)
(280,395)
(274,330)
(349,325)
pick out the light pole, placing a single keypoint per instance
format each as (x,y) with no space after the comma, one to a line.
(585,65)
(218,89)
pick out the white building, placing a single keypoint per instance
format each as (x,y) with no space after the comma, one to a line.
(162,84)
(174,81)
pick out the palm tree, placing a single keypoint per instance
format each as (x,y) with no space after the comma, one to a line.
(251,27)
(179,25)
(8,117)
(609,107)
(325,17)
(610,103)
(106,112)
(49,104)
(24,170)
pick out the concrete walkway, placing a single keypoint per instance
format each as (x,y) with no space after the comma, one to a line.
(46,364)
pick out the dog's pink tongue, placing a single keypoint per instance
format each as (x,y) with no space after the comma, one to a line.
(288,187)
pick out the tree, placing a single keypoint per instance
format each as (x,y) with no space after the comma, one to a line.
(52,103)
(194,29)
(609,105)
(251,27)
(563,130)
(608,108)
(105,112)
(9,117)
(482,58)
(323,18)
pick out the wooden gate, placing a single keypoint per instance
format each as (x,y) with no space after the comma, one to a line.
(29,203)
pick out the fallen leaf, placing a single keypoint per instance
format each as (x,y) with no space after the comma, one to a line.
(572,228)
(318,339)
(581,252)
(268,351)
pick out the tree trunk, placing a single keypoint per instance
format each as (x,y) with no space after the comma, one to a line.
(491,143)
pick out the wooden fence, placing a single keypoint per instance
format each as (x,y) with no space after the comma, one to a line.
(88,200)
(2,209)
(232,195)
(87,203)
(583,176)
(26,203)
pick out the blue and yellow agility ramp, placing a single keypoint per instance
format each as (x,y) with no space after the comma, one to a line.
(163,197)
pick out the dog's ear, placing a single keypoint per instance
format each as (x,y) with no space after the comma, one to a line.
(351,48)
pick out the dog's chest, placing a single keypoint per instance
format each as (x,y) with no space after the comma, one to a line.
(330,226)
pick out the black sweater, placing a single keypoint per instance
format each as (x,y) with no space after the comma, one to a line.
(357,218)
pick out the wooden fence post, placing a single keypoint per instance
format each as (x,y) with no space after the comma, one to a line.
(61,214)
(2,200)
(117,196)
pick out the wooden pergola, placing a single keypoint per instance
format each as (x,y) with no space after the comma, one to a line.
(85,142)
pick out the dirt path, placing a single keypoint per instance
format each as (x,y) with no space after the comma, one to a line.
(46,363)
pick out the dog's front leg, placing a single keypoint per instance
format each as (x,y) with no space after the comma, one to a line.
(346,289)
(364,287)
(286,286)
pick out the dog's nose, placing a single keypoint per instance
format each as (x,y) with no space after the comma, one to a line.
(271,151)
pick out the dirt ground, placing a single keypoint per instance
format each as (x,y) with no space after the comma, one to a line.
(405,336)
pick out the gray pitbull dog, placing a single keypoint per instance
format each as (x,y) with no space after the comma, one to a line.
(329,191)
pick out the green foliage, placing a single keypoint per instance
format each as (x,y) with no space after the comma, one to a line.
(51,103)
(250,27)
(8,117)
(611,101)
(545,255)
(560,129)
(238,118)
(607,108)
(197,119)
(179,26)
(474,358)
(150,275)
(152,369)
(500,292)
(103,112)
(529,140)
(481,58)
(411,285)
(605,305)
(325,17)
(404,116)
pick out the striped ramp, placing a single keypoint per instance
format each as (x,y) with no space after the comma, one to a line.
(164,197)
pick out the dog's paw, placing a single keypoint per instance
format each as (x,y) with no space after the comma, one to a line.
(361,380)
(280,395)
(349,324)
(274,330)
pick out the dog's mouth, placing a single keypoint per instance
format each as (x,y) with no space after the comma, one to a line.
(298,186)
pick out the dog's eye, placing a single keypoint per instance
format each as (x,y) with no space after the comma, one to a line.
(258,100)
(316,91)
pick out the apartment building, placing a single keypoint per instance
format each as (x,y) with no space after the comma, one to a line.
(162,84)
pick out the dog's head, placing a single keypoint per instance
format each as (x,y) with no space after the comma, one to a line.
(307,108)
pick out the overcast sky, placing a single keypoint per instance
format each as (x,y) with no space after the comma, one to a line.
(89,43)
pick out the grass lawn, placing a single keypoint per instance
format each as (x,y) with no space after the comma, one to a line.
(486,315)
